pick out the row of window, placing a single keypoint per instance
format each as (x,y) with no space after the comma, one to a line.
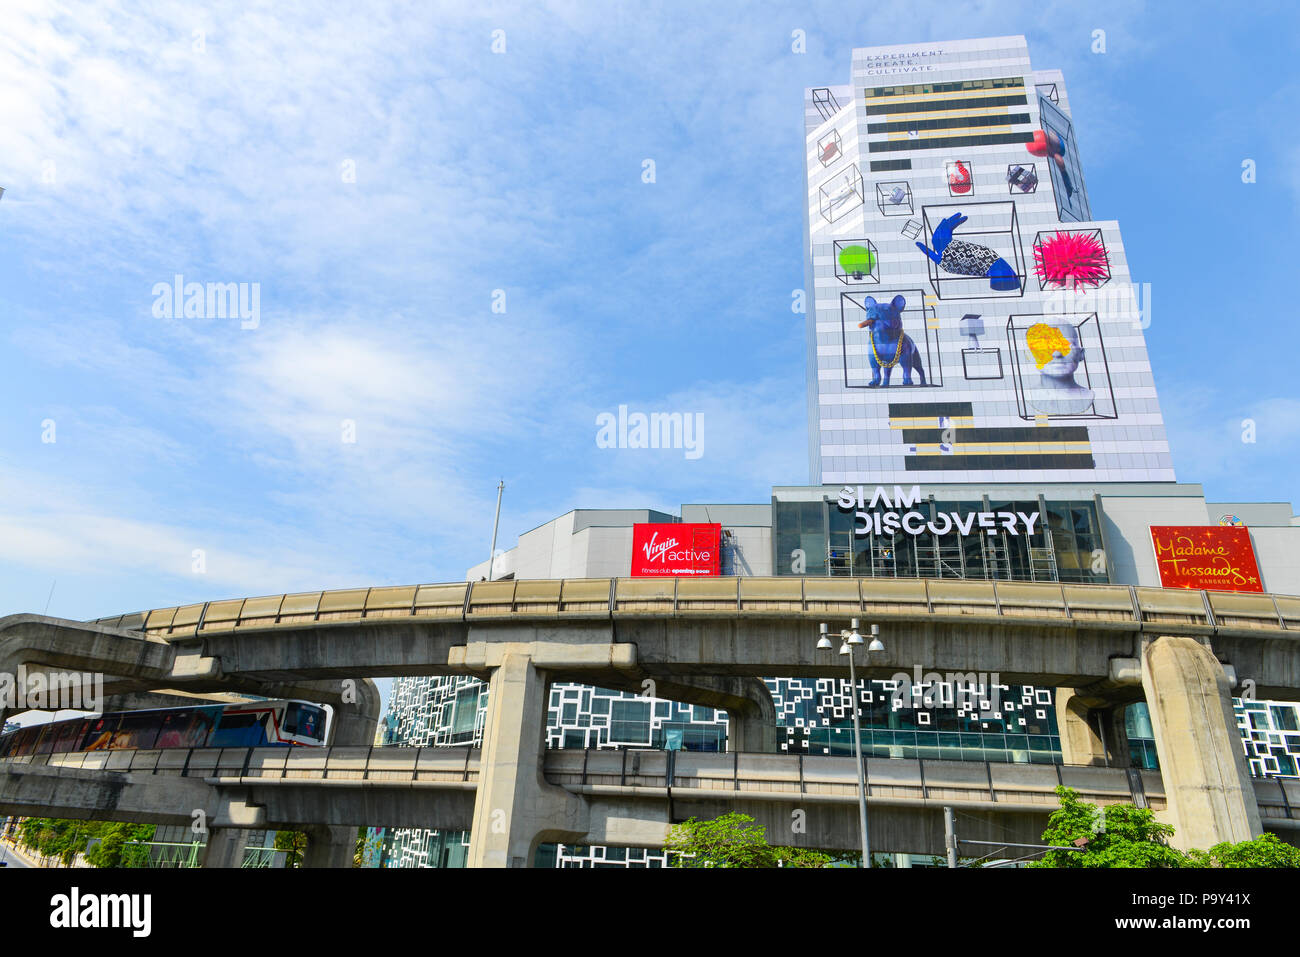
(955,86)
(935,106)
(946,142)
(947,123)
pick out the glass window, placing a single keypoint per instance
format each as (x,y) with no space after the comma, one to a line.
(1285,718)
(467,710)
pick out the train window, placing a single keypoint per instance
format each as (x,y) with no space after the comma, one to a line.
(100,732)
(45,742)
(304,720)
(137,731)
(23,742)
(68,736)
(240,730)
(187,729)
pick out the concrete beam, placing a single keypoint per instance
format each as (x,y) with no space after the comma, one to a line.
(1044,654)
(55,644)
(70,793)
(1066,653)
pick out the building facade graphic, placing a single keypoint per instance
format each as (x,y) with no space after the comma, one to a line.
(968,320)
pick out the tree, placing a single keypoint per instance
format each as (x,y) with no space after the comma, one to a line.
(1265,851)
(64,840)
(295,842)
(1122,835)
(733,840)
(1119,835)
(121,845)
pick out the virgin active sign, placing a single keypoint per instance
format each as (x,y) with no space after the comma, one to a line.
(883,515)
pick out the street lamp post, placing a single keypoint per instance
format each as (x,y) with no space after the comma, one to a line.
(848,640)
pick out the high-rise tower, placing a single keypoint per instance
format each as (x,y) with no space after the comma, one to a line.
(968,319)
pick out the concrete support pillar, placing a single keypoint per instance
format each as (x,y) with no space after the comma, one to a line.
(1117,736)
(1092,730)
(226,847)
(753,728)
(1081,742)
(329,846)
(1206,777)
(515,810)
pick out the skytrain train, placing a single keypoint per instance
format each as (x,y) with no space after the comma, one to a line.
(252,724)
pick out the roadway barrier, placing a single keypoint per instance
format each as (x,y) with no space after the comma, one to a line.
(1170,610)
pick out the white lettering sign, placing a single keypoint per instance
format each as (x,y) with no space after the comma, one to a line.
(869,520)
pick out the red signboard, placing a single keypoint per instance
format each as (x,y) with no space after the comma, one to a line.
(1216,557)
(685,548)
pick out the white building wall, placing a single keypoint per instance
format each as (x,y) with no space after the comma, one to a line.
(1127,522)
(1277,550)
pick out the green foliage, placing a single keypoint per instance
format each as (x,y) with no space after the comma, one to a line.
(121,845)
(1119,835)
(1122,835)
(734,840)
(64,840)
(1266,851)
(295,842)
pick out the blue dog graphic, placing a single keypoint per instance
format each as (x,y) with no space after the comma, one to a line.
(888,344)
(968,259)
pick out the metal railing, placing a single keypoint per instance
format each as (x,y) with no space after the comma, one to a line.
(435,765)
(701,774)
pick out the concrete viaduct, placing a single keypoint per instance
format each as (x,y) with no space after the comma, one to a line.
(708,642)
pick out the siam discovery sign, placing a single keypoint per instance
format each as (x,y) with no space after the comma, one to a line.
(901,514)
(681,548)
(1220,558)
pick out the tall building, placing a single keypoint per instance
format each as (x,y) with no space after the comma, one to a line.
(980,406)
(968,319)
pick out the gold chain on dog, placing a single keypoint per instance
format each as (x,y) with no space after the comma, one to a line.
(893,362)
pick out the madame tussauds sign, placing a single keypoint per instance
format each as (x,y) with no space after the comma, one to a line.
(883,515)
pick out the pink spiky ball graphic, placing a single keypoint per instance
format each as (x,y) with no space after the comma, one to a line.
(1078,259)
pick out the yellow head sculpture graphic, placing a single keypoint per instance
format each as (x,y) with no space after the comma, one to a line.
(1044,340)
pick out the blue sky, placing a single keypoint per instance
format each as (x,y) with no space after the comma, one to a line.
(133,148)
